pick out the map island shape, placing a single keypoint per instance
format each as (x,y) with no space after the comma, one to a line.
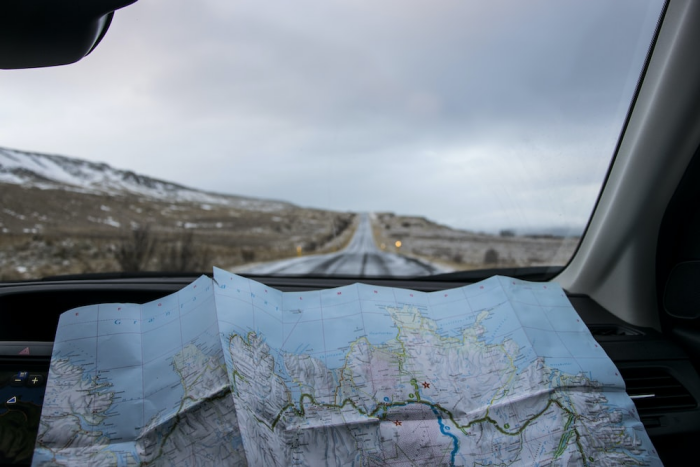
(229,371)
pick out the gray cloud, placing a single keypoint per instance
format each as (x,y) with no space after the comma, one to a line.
(477,114)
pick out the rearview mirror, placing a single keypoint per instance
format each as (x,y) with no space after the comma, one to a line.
(41,33)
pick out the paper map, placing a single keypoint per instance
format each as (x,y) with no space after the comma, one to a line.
(232,372)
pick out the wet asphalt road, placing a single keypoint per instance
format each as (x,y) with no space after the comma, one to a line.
(360,258)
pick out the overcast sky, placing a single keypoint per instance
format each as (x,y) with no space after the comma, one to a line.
(478,114)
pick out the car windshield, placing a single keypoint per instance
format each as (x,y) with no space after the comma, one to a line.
(352,138)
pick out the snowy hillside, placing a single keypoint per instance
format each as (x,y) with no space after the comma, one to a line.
(58,172)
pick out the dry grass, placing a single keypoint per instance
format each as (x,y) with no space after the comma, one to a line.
(50,232)
(462,250)
(53,232)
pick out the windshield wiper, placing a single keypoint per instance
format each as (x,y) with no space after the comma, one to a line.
(534,273)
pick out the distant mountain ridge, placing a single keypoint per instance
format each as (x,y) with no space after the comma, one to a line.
(48,171)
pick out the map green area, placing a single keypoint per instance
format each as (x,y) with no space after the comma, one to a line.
(231,372)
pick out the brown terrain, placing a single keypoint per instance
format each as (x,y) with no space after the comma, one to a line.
(45,232)
(460,250)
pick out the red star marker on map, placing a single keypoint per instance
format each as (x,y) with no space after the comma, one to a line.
(397,423)
(426,385)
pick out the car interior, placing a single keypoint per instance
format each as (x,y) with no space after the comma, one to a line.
(634,279)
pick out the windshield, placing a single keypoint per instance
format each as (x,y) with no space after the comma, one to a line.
(363,138)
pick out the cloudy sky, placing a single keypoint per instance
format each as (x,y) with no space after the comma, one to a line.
(478,114)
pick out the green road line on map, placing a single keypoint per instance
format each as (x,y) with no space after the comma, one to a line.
(381,409)
(503,388)
(564,441)
(403,354)
(580,448)
(414,382)
(237,375)
(383,406)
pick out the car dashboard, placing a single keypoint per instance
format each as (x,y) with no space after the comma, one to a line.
(659,376)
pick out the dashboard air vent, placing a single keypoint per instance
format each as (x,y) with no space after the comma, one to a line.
(656,390)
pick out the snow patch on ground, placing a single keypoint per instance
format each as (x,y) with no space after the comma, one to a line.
(112,222)
(108,221)
(14,214)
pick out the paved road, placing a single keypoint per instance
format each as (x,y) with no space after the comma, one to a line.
(360,258)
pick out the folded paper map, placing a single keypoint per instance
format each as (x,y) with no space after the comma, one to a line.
(229,371)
